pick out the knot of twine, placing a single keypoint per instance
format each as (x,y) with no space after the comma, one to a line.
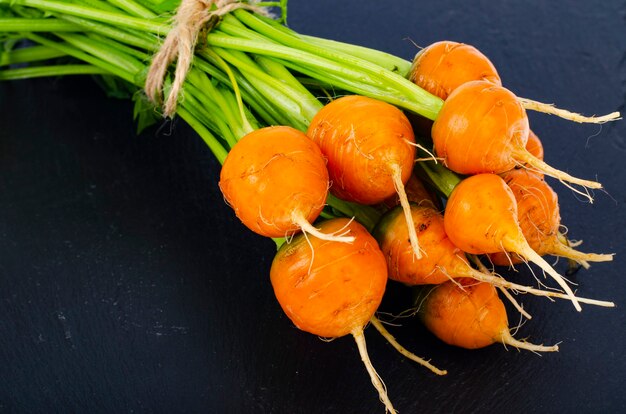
(191,17)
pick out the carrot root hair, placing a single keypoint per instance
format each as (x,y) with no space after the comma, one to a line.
(527,252)
(406,207)
(307,227)
(501,282)
(560,249)
(508,339)
(515,303)
(431,156)
(525,157)
(359,338)
(393,342)
(565,114)
(504,284)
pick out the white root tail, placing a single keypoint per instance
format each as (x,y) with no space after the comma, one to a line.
(410,355)
(505,284)
(310,229)
(514,302)
(570,116)
(406,207)
(560,249)
(507,339)
(525,157)
(529,254)
(376,381)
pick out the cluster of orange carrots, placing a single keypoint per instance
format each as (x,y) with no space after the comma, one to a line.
(337,185)
(330,279)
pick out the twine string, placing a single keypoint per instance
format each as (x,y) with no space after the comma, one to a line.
(191,18)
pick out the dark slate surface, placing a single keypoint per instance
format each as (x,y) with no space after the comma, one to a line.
(127,285)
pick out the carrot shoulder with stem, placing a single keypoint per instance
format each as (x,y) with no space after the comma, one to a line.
(370,149)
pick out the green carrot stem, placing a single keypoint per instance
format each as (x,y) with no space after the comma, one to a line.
(366,215)
(333,82)
(104,52)
(53,70)
(160,6)
(206,135)
(29,54)
(276,92)
(385,60)
(235,108)
(143,40)
(250,94)
(207,114)
(321,68)
(116,19)
(309,106)
(207,89)
(286,53)
(95,4)
(20,24)
(278,71)
(245,124)
(442,178)
(79,54)
(400,83)
(133,8)
(142,56)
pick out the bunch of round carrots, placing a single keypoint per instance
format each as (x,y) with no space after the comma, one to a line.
(350,184)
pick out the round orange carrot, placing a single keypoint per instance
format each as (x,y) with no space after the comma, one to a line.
(275,179)
(482,128)
(370,149)
(364,140)
(469,314)
(443,66)
(540,220)
(481,217)
(332,289)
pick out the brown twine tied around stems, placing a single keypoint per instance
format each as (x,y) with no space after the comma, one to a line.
(191,18)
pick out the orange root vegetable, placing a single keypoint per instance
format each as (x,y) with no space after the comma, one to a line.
(570,116)
(482,128)
(416,192)
(275,179)
(442,260)
(370,149)
(481,218)
(332,289)
(444,66)
(539,218)
(469,315)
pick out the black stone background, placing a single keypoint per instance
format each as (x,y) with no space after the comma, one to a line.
(127,285)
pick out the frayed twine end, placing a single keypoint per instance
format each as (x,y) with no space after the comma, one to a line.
(191,18)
